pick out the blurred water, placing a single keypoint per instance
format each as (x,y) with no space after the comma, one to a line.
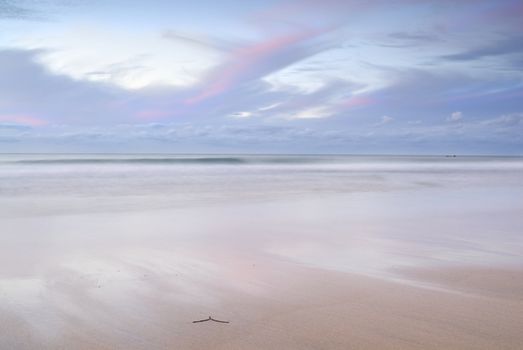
(353,213)
(91,182)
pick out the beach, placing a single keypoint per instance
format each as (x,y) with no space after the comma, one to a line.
(295,252)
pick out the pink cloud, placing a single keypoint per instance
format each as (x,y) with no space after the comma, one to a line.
(357,101)
(246,62)
(23,120)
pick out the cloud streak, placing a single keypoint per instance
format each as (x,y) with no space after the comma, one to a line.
(22,120)
(506,46)
(11,10)
(254,61)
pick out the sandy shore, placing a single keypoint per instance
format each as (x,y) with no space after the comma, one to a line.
(279,305)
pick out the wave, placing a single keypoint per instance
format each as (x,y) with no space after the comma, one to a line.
(353,162)
(206,160)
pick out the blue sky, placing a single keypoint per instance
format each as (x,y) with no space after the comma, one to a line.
(330,76)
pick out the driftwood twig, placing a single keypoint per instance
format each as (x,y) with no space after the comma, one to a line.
(210,319)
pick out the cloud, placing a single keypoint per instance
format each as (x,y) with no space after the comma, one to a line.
(409,39)
(505,46)
(256,112)
(414,93)
(257,60)
(13,126)
(497,134)
(357,101)
(34,10)
(244,114)
(334,98)
(269,107)
(455,116)
(22,120)
(205,42)
(414,36)
(508,120)
(30,94)
(313,113)
(384,120)
(33,95)
(11,10)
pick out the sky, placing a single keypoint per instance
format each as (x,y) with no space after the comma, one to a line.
(271,76)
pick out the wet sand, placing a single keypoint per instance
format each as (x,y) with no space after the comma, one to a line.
(138,280)
(280,305)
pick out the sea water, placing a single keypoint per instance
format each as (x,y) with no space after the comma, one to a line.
(364,214)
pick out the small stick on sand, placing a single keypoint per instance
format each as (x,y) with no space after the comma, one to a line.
(210,319)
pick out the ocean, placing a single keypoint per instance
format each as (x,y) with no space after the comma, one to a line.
(118,182)
(379,201)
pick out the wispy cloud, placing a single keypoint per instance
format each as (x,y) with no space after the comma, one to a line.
(313,113)
(202,41)
(22,120)
(257,60)
(31,93)
(506,120)
(384,120)
(34,10)
(504,46)
(12,10)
